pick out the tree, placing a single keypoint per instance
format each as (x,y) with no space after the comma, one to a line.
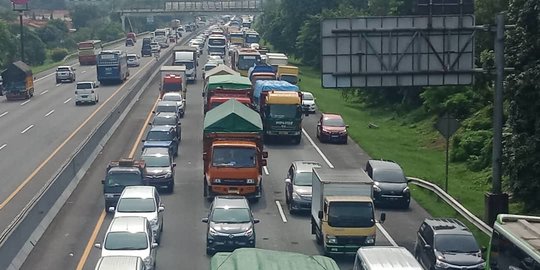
(83,15)
(522,147)
(7,45)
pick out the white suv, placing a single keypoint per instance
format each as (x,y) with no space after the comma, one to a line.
(86,92)
(130,236)
(141,201)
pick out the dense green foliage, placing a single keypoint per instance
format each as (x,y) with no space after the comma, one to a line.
(523,145)
(291,20)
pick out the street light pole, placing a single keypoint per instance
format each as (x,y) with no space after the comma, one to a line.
(21,6)
(22,39)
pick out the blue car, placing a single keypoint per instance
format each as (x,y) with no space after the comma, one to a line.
(162,136)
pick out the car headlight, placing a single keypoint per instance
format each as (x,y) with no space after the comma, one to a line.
(110,196)
(376,188)
(212,232)
(168,174)
(330,239)
(406,190)
(250,181)
(217,181)
(296,196)
(370,240)
(441,264)
(249,232)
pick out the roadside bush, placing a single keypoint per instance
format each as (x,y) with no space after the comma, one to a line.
(57,54)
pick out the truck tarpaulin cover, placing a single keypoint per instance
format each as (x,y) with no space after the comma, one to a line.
(228,82)
(221,70)
(269,85)
(254,258)
(232,116)
(16,71)
(260,68)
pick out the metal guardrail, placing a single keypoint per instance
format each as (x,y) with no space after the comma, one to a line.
(105,44)
(481,225)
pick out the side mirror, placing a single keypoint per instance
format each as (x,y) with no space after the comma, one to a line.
(149,123)
(111,209)
(155,245)
(103,181)
(318,124)
(288,181)
(320,215)
(174,165)
(383,218)
(265,154)
(143,140)
(161,209)
(97,245)
(97,85)
(255,220)
(204,156)
(426,246)
(346,126)
(264,162)
(153,111)
(204,220)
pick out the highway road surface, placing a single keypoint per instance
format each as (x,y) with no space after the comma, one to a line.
(68,242)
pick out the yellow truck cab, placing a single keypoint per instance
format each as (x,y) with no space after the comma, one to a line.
(342,210)
(288,74)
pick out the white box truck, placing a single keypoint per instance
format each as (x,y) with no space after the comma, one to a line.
(342,210)
(186,56)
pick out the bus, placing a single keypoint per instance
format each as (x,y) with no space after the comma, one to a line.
(515,243)
(112,66)
(217,44)
(88,50)
(236,38)
(244,58)
(252,37)
(160,35)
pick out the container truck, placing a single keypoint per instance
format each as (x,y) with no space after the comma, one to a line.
(342,210)
(233,151)
(173,79)
(120,174)
(186,56)
(261,72)
(261,259)
(18,81)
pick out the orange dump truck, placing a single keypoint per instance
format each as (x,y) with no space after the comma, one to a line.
(233,151)
(173,79)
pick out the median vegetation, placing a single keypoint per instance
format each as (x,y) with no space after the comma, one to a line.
(397,123)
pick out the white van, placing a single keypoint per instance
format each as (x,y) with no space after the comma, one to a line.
(120,263)
(385,258)
(86,92)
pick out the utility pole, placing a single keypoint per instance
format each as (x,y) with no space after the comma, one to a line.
(20,6)
(21,39)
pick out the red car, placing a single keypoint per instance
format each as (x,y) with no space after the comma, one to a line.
(332,128)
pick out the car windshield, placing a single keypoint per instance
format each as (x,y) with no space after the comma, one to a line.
(247,61)
(172,98)
(216,42)
(457,243)
(84,86)
(136,205)
(132,57)
(389,176)
(158,136)
(163,121)
(157,161)
(307,96)
(162,108)
(333,122)
(303,179)
(283,111)
(189,65)
(231,215)
(208,67)
(126,241)
(237,157)
(351,214)
(115,179)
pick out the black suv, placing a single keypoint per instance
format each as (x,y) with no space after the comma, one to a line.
(159,168)
(230,224)
(391,185)
(146,50)
(446,243)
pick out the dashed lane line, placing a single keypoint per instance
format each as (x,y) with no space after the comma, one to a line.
(49,113)
(27,129)
(281,213)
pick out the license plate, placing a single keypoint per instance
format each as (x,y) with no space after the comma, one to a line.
(233,191)
(335,136)
(84,96)
(283,133)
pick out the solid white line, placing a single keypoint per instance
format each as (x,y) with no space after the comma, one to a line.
(49,113)
(26,129)
(266,170)
(24,103)
(83,71)
(3,145)
(283,218)
(67,100)
(44,92)
(317,148)
(44,77)
(3,114)
(386,234)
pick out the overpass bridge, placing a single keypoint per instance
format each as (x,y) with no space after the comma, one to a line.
(198,7)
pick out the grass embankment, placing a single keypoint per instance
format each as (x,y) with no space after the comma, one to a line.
(412,143)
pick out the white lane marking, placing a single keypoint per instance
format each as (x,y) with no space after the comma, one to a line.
(266,170)
(317,148)
(24,103)
(49,113)
(4,114)
(83,71)
(3,146)
(283,218)
(386,234)
(27,129)
(67,100)
(44,92)
(46,76)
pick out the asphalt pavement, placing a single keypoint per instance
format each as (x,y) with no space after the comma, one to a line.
(68,242)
